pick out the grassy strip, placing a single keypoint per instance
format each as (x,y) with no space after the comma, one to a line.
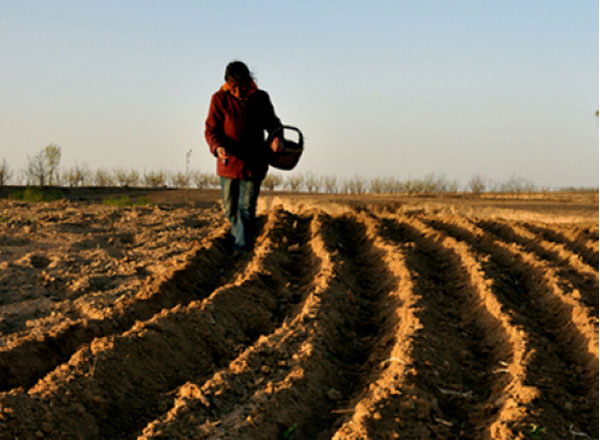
(38,194)
(125,200)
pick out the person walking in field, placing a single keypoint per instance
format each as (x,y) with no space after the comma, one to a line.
(238,116)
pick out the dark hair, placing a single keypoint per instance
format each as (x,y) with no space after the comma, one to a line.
(239,72)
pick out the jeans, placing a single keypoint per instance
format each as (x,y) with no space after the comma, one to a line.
(239,202)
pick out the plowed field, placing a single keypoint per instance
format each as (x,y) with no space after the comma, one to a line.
(346,323)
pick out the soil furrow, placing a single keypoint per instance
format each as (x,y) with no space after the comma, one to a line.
(371,284)
(569,303)
(582,246)
(570,268)
(327,351)
(507,394)
(587,233)
(26,359)
(461,343)
(385,393)
(334,362)
(235,394)
(562,367)
(112,387)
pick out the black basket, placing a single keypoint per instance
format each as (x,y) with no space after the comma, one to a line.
(289,157)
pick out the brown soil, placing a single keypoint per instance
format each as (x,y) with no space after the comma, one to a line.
(353,318)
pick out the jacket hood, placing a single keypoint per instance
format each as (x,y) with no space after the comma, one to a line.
(253,88)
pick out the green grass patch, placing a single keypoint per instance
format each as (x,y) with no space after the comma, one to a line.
(290,433)
(125,200)
(37,194)
(536,432)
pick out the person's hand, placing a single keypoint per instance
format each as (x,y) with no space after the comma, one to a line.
(222,155)
(277,145)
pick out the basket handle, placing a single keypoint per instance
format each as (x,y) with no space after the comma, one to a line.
(280,129)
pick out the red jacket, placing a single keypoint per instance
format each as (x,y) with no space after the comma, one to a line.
(239,127)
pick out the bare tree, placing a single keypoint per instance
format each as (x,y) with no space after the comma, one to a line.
(355,185)
(155,179)
(271,181)
(477,184)
(330,184)
(345,187)
(214,181)
(201,180)
(294,182)
(120,175)
(103,177)
(126,178)
(377,185)
(179,179)
(78,175)
(37,169)
(517,184)
(52,156)
(432,184)
(312,182)
(391,185)
(405,186)
(452,186)
(20,177)
(5,173)
(43,167)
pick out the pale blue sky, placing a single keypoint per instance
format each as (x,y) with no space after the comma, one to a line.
(379,88)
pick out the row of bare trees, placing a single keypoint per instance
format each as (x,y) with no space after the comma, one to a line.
(43,169)
(430,184)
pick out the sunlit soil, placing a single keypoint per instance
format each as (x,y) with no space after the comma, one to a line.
(352,318)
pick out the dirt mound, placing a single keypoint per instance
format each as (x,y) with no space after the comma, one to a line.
(356,323)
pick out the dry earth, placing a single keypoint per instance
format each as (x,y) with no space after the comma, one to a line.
(364,320)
